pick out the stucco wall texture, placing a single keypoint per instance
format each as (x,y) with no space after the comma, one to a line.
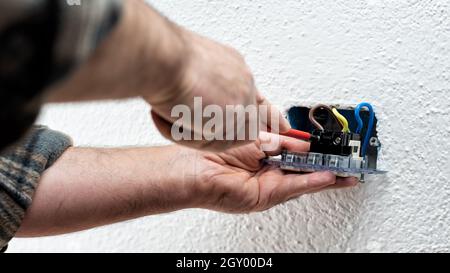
(395,54)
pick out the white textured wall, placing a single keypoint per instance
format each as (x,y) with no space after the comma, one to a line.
(395,54)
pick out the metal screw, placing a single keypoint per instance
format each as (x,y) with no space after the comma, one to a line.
(362,179)
(337,140)
(374,141)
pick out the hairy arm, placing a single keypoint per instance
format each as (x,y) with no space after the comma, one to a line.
(89,187)
(143,54)
(149,56)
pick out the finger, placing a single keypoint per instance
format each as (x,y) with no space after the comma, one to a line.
(346,182)
(163,125)
(272,114)
(165,128)
(341,183)
(294,185)
(278,143)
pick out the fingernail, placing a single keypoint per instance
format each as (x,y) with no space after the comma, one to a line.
(320,179)
(350,181)
(354,180)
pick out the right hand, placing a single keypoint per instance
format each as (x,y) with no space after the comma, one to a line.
(219,75)
(146,55)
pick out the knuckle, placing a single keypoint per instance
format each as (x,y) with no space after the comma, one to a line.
(248,74)
(234,52)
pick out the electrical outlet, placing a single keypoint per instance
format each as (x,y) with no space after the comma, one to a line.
(344,141)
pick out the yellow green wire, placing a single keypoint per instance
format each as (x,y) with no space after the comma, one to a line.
(342,120)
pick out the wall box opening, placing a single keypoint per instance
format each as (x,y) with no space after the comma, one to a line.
(344,140)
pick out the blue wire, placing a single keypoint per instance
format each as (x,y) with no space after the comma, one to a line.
(360,125)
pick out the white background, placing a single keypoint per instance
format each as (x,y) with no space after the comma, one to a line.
(395,54)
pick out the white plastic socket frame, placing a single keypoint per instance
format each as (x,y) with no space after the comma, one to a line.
(311,162)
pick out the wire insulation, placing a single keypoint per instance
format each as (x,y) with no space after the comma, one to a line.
(342,120)
(297,134)
(313,120)
(369,126)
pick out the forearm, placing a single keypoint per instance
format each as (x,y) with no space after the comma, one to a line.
(143,54)
(90,187)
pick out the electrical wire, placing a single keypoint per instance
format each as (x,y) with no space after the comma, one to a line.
(369,126)
(342,120)
(313,120)
(298,134)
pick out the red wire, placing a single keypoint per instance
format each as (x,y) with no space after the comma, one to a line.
(297,134)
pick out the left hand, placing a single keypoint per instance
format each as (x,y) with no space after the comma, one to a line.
(89,187)
(236,181)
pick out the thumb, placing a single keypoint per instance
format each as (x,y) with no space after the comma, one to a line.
(270,115)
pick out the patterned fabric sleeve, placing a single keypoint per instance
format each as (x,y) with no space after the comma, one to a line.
(41,42)
(21,167)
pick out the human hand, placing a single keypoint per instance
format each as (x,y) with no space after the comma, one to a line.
(89,187)
(219,75)
(167,66)
(236,181)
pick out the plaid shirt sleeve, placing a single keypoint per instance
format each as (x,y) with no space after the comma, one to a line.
(21,167)
(41,42)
